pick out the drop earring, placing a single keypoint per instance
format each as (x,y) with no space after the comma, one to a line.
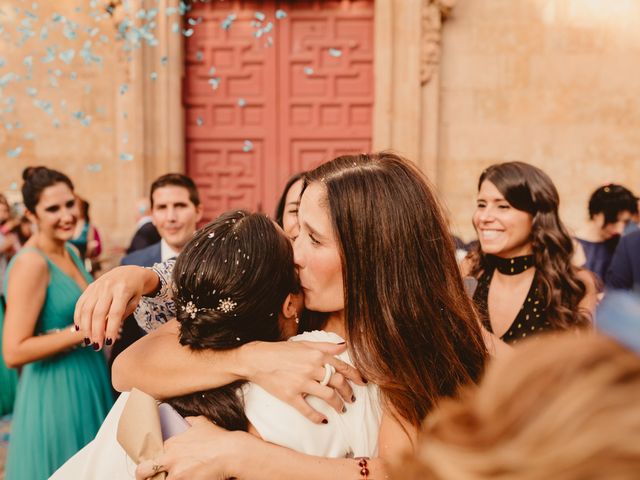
(297,319)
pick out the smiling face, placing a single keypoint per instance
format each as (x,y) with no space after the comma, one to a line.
(56,213)
(613,229)
(290,214)
(317,254)
(174,215)
(502,230)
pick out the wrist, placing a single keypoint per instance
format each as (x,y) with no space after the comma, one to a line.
(242,364)
(234,458)
(151,281)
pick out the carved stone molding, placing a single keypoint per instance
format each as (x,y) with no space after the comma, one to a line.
(434,12)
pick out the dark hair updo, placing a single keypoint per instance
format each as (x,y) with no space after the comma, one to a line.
(36,179)
(230,283)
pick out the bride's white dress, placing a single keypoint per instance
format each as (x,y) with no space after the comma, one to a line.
(353,433)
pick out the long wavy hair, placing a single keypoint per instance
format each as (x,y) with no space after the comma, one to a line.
(567,408)
(411,327)
(230,283)
(529,189)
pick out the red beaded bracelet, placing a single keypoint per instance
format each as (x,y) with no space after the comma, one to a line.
(364,470)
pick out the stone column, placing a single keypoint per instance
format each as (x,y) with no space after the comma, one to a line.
(407,42)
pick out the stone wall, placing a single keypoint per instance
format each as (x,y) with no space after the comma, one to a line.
(550,82)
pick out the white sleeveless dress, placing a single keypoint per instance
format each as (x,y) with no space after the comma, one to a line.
(353,433)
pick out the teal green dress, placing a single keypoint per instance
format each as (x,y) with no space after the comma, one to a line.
(8,377)
(62,400)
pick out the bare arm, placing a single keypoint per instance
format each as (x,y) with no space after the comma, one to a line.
(158,365)
(209,452)
(26,291)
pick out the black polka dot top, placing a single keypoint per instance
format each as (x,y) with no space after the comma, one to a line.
(531,318)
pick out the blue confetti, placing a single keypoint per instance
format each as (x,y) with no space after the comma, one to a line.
(187,33)
(124,88)
(93,31)
(241,102)
(104,39)
(268,27)
(227,22)
(56,123)
(175,28)
(44,105)
(44,33)
(32,92)
(199,121)
(308,70)
(214,82)
(212,71)
(57,72)
(126,157)
(56,18)
(28,61)
(164,60)
(67,56)
(8,126)
(5,79)
(73,75)
(53,81)
(334,52)
(260,16)
(50,57)
(154,76)
(15,153)
(13,186)
(94,167)
(29,136)
(199,56)
(280,14)
(170,11)
(248,146)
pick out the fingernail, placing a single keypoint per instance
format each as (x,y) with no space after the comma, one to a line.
(325,421)
(108,341)
(353,398)
(341,343)
(77,328)
(95,346)
(86,341)
(344,409)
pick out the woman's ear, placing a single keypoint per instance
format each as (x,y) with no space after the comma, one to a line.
(289,309)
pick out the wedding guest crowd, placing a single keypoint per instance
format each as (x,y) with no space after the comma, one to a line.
(407,360)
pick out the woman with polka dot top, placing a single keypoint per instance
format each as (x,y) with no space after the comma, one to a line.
(526,281)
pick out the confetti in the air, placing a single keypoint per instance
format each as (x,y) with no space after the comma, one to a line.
(199,121)
(260,16)
(227,22)
(280,14)
(248,146)
(94,167)
(308,70)
(15,152)
(335,52)
(126,157)
(241,102)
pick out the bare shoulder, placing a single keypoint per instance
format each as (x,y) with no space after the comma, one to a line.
(30,262)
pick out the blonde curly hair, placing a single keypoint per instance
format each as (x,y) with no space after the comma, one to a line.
(556,408)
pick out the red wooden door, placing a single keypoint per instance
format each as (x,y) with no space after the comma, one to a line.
(267,95)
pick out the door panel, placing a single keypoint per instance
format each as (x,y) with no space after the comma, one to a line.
(277,102)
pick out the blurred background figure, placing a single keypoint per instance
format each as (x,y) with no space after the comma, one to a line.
(63,393)
(86,238)
(634,223)
(287,208)
(624,269)
(610,209)
(146,232)
(526,281)
(175,212)
(567,409)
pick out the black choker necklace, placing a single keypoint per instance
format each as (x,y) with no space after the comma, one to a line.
(511,266)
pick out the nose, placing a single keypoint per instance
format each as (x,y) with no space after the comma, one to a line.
(485,214)
(171,214)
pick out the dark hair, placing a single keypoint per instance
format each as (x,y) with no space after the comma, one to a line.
(611,200)
(283,198)
(411,327)
(84,209)
(529,189)
(36,179)
(230,283)
(176,180)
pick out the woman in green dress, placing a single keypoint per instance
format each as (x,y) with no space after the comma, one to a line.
(63,392)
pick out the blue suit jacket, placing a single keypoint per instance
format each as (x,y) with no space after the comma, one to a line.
(145,257)
(624,270)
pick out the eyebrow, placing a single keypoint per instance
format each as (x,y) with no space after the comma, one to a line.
(313,230)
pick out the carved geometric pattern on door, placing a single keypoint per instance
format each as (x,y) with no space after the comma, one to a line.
(276,104)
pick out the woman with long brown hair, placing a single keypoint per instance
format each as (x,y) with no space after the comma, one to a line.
(372,235)
(526,281)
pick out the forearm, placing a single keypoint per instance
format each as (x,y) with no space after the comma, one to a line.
(32,349)
(158,365)
(267,460)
